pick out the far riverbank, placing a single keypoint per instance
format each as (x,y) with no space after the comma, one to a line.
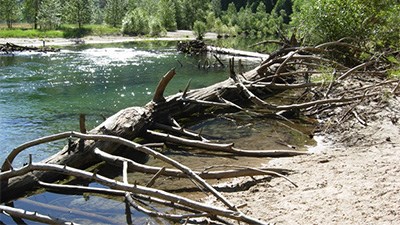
(180,35)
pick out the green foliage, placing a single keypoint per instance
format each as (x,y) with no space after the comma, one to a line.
(49,15)
(199,29)
(193,10)
(327,20)
(115,11)
(167,14)
(156,28)
(31,10)
(286,6)
(229,17)
(78,11)
(136,22)
(216,7)
(9,11)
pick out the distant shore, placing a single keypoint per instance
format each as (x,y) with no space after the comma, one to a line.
(180,35)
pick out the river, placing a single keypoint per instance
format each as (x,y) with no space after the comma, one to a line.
(44,93)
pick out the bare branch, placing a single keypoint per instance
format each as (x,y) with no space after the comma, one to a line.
(159,93)
(33,216)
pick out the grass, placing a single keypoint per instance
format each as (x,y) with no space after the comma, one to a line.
(65,31)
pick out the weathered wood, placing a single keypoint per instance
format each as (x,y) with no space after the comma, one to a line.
(10,48)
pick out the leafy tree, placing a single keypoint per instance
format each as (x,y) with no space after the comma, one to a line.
(216,7)
(199,29)
(49,15)
(115,11)
(230,15)
(245,19)
(31,11)
(136,22)
(78,11)
(262,18)
(285,5)
(98,9)
(327,20)
(155,27)
(193,10)
(167,14)
(9,11)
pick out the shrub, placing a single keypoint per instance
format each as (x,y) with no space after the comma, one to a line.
(199,29)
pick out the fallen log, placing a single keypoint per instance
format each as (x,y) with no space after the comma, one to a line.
(9,48)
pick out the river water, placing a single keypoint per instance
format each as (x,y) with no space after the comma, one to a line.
(44,93)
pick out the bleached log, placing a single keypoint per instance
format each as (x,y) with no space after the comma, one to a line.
(33,216)
(223,147)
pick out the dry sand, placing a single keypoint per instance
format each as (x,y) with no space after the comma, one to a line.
(353,180)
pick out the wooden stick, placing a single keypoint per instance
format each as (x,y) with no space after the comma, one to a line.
(220,62)
(154,178)
(33,216)
(134,166)
(175,217)
(224,147)
(159,93)
(82,126)
(354,69)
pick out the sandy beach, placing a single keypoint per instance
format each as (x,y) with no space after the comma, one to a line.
(352,178)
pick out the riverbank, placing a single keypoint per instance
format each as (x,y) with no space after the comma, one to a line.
(352,180)
(180,35)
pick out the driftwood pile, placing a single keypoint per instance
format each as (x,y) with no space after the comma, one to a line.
(192,47)
(319,83)
(9,48)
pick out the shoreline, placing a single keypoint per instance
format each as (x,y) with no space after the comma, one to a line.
(180,35)
(351,179)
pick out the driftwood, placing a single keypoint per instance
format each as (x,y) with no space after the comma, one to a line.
(10,48)
(289,69)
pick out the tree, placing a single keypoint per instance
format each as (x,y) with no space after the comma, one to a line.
(167,15)
(193,10)
(49,15)
(216,7)
(115,11)
(285,5)
(78,11)
(98,12)
(229,17)
(199,29)
(245,19)
(136,22)
(9,11)
(31,11)
(319,21)
(261,18)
